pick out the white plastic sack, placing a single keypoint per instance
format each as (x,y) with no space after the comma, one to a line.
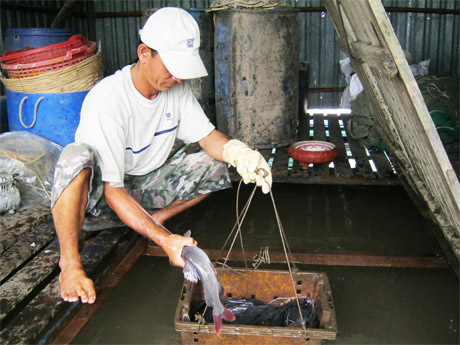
(31,160)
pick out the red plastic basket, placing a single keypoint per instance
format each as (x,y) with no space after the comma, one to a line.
(69,58)
(43,53)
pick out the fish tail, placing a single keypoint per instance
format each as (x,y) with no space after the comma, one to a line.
(226,315)
(217,323)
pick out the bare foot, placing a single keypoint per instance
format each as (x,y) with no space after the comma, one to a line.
(75,284)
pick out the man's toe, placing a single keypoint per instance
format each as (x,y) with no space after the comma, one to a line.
(83,295)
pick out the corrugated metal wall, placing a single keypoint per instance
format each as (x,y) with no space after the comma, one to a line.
(432,36)
(36,14)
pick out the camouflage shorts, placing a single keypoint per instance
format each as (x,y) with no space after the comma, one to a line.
(181,178)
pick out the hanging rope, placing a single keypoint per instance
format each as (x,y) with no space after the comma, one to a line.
(237,227)
(263,256)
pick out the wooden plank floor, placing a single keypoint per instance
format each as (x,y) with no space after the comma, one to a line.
(354,165)
(29,283)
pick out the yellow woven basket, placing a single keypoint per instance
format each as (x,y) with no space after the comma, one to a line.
(79,77)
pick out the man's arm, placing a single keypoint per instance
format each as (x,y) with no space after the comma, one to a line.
(249,163)
(134,216)
(214,143)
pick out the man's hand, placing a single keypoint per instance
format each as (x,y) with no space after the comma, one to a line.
(249,163)
(173,245)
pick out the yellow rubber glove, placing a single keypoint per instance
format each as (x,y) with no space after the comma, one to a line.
(249,163)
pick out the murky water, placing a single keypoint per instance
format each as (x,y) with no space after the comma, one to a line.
(373,305)
(315,218)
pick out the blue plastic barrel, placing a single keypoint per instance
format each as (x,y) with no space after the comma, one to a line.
(54,116)
(17,38)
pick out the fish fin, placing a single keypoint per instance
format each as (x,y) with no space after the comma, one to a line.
(228,315)
(190,273)
(221,291)
(187,233)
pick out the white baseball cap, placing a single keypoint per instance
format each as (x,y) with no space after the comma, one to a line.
(175,35)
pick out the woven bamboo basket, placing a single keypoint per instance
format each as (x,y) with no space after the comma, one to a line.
(79,77)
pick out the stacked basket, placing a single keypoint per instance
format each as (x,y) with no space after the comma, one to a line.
(45,86)
(71,66)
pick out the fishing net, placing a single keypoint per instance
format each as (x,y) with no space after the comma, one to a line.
(30,160)
(441,96)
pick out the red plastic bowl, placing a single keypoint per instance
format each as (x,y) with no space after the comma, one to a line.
(316,152)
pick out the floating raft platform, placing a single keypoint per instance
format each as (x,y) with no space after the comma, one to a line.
(32,310)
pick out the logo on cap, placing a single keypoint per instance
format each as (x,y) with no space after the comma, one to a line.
(190,43)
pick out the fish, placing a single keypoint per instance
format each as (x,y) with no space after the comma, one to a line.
(199,267)
(246,311)
(257,313)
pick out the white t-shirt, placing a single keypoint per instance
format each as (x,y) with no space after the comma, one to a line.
(132,134)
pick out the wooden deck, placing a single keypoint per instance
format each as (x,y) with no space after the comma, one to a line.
(31,307)
(354,165)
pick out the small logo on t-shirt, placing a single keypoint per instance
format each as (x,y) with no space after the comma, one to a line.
(190,43)
(168,116)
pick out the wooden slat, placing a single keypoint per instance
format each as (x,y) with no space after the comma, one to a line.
(342,167)
(14,225)
(329,259)
(319,133)
(68,327)
(27,245)
(31,320)
(299,173)
(33,274)
(15,289)
(384,167)
(342,173)
(281,163)
(363,169)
